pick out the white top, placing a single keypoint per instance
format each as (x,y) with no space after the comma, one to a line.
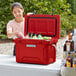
(15,27)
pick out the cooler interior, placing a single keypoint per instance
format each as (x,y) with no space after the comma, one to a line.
(47,25)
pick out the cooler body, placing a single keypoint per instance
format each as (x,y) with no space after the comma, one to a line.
(39,51)
(35,51)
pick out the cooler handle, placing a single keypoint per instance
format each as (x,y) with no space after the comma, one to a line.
(55,47)
(57,51)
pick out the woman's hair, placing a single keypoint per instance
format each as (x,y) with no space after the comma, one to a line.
(16,4)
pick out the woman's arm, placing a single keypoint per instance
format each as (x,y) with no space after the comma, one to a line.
(10,34)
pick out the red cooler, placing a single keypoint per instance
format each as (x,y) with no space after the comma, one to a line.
(39,51)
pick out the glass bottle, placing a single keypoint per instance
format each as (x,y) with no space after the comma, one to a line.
(35,36)
(74,60)
(40,36)
(69,44)
(27,36)
(65,51)
(68,60)
(31,36)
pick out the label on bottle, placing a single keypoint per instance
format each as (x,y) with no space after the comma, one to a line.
(68,46)
(68,64)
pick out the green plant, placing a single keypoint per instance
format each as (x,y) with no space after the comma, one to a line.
(63,33)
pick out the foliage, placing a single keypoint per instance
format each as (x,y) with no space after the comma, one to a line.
(43,7)
(73,5)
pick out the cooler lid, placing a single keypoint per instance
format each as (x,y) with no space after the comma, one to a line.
(47,25)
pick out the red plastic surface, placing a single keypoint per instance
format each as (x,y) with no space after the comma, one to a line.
(35,51)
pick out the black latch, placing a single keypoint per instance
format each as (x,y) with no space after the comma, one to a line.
(53,12)
(34,12)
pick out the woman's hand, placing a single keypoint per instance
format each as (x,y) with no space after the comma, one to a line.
(29,13)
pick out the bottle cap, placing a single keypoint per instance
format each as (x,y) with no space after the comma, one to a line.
(69,36)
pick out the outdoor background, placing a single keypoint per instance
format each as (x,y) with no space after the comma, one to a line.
(65,8)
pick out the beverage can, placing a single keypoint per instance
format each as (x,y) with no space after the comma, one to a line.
(20,35)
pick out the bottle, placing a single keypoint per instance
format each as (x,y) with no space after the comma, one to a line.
(63,62)
(68,60)
(40,36)
(69,44)
(72,43)
(31,36)
(27,36)
(35,36)
(74,39)
(65,51)
(20,35)
(74,61)
(46,38)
